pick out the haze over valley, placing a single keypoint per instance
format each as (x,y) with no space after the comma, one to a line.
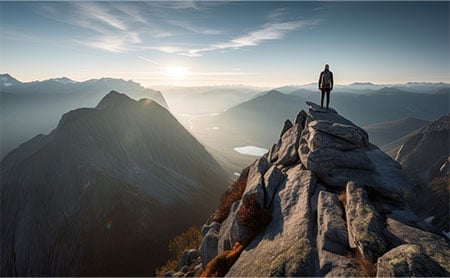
(194,139)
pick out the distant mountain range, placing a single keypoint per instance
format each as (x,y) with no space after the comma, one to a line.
(255,121)
(103,193)
(368,87)
(30,108)
(207,99)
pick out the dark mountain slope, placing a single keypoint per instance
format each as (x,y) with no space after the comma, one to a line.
(35,107)
(103,192)
(425,157)
(387,132)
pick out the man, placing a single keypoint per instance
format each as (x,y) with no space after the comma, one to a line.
(326,84)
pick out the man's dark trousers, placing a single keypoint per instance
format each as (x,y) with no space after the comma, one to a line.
(327,91)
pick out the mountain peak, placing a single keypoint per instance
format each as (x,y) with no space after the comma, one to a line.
(361,84)
(114,99)
(323,201)
(274,93)
(64,80)
(6,80)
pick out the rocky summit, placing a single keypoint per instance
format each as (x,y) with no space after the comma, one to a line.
(323,201)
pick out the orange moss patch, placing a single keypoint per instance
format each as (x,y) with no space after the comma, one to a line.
(252,216)
(220,265)
(367,268)
(343,197)
(230,196)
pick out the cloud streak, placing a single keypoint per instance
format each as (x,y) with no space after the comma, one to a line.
(270,31)
(126,27)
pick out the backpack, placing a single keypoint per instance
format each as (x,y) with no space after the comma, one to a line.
(326,79)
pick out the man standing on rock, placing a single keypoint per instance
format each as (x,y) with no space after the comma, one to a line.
(326,84)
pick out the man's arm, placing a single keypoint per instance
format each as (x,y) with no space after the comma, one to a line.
(332,81)
(320,80)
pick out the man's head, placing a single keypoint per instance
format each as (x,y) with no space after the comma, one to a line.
(327,67)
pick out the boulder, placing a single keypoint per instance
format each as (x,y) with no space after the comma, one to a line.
(272,179)
(169,274)
(272,155)
(189,257)
(332,238)
(388,179)
(287,125)
(213,225)
(287,154)
(255,181)
(348,132)
(339,177)
(364,224)
(317,139)
(231,231)
(314,107)
(301,118)
(408,260)
(209,246)
(332,234)
(434,246)
(324,160)
(286,247)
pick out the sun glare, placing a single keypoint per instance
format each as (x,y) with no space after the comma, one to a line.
(176,72)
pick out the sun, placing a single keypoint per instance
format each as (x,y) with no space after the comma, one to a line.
(176,72)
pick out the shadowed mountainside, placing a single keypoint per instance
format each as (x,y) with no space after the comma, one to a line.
(104,192)
(425,157)
(387,132)
(30,108)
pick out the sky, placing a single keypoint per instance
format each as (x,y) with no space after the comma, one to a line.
(216,43)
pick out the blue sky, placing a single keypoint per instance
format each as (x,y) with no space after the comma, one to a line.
(211,43)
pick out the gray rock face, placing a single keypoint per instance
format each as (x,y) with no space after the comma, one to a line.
(408,260)
(318,139)
(287,154)
(286,246)
(332,238)
(255,181)
(189,257)
(301,118)
(209,246)
(332,232)
(231,231)
(364,224)
(313,232)
(287,125)
(324,160)
(207,227)
(434,246)
(350,133)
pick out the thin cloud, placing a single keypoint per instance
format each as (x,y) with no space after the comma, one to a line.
(270,31)
(112,43)
(195,29)
(149,60)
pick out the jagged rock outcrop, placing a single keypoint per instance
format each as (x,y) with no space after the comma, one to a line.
(338,207)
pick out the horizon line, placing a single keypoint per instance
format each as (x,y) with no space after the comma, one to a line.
(236,84)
